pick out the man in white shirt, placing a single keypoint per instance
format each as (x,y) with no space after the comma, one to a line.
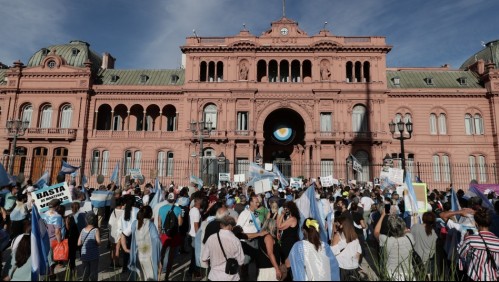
(248,220)
(366,203)
(195,222)
(212,251)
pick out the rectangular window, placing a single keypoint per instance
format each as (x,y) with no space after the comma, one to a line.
(442,124)
(433,124)
(161,164)
(327,167)
(95,162)
(446,173)
(326,122)
(242,166)
(472,167)
(436,168)
(242,121)
(170,165)
(105,162)
(482,170)
(468,122)
(138,157)
(46,118)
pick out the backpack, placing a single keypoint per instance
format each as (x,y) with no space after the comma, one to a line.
(171,227)
(184,228)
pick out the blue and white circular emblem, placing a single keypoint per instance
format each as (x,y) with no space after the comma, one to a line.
(283,133)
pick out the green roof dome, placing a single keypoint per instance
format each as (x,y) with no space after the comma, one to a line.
(76,53)
(488,54)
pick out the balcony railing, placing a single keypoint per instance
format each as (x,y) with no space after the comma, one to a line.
(134,134)
(47,133)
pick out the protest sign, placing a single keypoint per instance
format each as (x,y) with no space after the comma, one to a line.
(327,181)
(262,186)
(135,173)
(295,183)
(239,178)
(268,167)
(420,190)
(336,182)
(224,177)
(59,191)
(396,175)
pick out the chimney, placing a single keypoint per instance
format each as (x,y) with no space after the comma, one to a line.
(108,61)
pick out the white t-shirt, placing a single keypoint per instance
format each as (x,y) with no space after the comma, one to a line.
(245,220)
(194,216)
(145,200)
(347,254)
(367,203)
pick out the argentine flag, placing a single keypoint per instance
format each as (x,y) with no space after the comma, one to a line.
(158,196)
(5,178)
(44,179)
(101,199)
(309,208)
(281,177)
(255,170)
(196,180)
(40,246)
(67,168)
(114,176)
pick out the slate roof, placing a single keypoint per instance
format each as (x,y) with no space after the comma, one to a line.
(133,77)
(441,79)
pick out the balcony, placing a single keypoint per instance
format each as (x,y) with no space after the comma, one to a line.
(134,134)
(49,133)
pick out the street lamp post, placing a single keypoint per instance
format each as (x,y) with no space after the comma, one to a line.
(15,128)
(401,127)
(198,129)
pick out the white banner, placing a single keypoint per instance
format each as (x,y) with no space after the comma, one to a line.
(262,186)
(44,196)
(296,183)
(396,176)
(327,181)
(135,173)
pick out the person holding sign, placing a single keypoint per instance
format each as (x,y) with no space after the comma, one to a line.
(54,223)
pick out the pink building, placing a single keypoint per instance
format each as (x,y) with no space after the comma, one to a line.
(305,102)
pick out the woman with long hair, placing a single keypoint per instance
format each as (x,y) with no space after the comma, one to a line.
(311,259)
(21,260)
(268,255)
(274,210)
(289,223)
(129,216)
(425,239)
(346,247)
(90,241)
(145,249)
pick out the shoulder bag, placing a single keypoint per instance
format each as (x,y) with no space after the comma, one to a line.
(231,266)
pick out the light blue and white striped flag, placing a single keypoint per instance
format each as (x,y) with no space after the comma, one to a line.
(309,208)
(254,170)
(40,246)
(5,178)
(101,199)
(196,180)
(115,175)
(281,177)
(158,196)
(44,179)
(67,168)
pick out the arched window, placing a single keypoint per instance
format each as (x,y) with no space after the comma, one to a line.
(211,72)
(284,69)
(359,119)
(295,71)
(210,114)
(149,123)
(472,163)
(118,121)
(398,118)
(95,162)
(273,71)
(468,123)
(349,71)
(220,71)
(137,159)
(367,72)
(127,164)
(105,162)
(261,70)
(442,124)
(203,72)
(27,113)
(446,168)
(433,124)
(46,117)
(165,164)
(66,116)
(407,118)
(482,169)
(479,125)
(358,72)
(306,69)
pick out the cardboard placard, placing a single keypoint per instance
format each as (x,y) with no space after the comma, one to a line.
(262,186)
(327,181)
(59,191)
(420,190)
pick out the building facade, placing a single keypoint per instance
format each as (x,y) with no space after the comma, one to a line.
(307,102)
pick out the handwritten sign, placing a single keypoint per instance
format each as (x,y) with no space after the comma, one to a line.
(44,196)
(262,186)
(135,173)
(327,181)
(296,183)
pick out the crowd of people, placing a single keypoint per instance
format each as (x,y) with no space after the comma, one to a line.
(230,230)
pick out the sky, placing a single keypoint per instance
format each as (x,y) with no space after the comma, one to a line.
(147,34)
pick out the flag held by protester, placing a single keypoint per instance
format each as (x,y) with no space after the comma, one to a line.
(281,177)
(67,168)
(196,180)
(5,178)
(158,196)
(43,180)
(40,246)
(101,199)
(114,176)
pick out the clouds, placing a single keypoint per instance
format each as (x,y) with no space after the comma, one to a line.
(28,26)
(148,34)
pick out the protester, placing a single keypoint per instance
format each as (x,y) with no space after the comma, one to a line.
(114,227)
(311,259)
(73,233)
(18,215)
(167,225)
(397,248)
(90,242)
(425,240)
(145,251)
(129,216)
(21,255)
(268,260)
(346,247)
(54,223)
(195,222)
(480,253)
(288,222)
(217,253)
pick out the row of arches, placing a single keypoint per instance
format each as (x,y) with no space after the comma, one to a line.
(284,71)
(136,118)
(44,117)
(358,71)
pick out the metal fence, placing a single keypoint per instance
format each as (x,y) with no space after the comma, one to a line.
(436,176)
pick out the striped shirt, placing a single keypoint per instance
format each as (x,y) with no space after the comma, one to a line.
(89,248)
(473,255)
